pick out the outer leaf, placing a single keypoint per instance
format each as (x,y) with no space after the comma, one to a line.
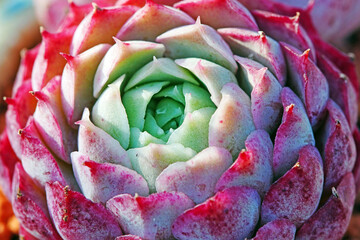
(36,158)
(75,217)
(356,170)
(20,107)
(99,145)
(285,29)
(151,217)
(29,204)
(128,237)
(294,133)
(308,83)
(280,229)
(77,81)
(141,3)
(296,195)
(101,181)
(332,219)
(99,27)
(253,167)
(196,177)
(265,93)
(231,214)
(341,89)
(8,159)
(151,160)
(260,47)
(219,13)
(337,146)
(49,62)
(25,68)
(51,122)
(144,24)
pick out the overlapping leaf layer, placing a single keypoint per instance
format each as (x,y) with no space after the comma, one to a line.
(194,119)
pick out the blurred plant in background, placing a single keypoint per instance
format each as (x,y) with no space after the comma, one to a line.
(19,29)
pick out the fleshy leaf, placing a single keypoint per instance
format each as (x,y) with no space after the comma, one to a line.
(76,217)
(199,41)
(99,27)
(308,83)
(141,3)
(38,161)
(124,58)
(175,92)
(151,160)
(140,139)
(332,219)
(294,133)
(198,176)
(212,75)
(99,145)
(51,121)
(152,127)
(232,121)
(341,89)
(25,68)
(257,46)
(356,169)
(29,204)
(342,60)
(101,181)
(296,195)
(336,145)
(49,63)
(219,13)
(128,237)
(253,167)
(279,229)
(20,107)
(265,93)
(229,215)
(285,29)
(77,81)
(149,217)
(136,101)
(144,24)
(162,69)
(167,109)
(75,15)
(110,115)
(194,131)
(24,234)
(195,98)
(8,160)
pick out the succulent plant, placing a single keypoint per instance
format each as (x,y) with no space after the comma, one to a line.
(195,119)
(334,20)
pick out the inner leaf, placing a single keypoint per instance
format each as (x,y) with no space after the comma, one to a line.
(137,100)
(166,110)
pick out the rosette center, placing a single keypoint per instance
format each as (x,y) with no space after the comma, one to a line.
(160,104)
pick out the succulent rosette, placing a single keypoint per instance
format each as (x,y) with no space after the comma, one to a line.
(334,20)
(196,119)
